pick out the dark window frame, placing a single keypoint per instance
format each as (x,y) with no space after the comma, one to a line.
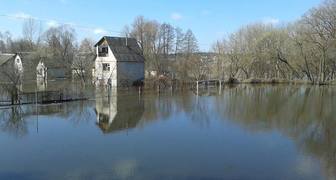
(106,67)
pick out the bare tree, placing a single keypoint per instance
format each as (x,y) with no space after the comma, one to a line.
(302,50)
(61,45)
(11,78)
(83,60)
(31,32)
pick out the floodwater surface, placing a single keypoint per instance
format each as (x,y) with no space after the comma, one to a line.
(242,132)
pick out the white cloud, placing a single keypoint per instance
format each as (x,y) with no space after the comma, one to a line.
(71,24)
(21,15)
(99,31)
(176,16)
(52,23)
(270,20)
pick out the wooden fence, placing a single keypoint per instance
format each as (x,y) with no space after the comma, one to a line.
(44,97)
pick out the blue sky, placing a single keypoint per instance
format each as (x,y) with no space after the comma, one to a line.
(209,19)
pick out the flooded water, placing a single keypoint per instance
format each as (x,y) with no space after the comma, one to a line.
(242,132)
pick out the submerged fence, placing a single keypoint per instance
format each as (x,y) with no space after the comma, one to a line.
(43,97)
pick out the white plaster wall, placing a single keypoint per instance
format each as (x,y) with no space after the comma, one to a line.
(41,73)
(18,64)
(105,75)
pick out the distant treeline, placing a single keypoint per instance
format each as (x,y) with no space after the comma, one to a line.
(301,50)
(305,49)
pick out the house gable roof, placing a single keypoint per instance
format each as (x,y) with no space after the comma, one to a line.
(128,52)
(4,58)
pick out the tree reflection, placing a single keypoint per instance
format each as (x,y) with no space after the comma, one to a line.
(304,113)
(164,106)
(12,121)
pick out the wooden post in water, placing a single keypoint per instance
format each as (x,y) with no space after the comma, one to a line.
(139,97)
(197,88)
(158,88)
(220,87)
(207,85)
(37,113)
(36,97)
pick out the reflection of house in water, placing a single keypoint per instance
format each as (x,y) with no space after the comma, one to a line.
(117,111)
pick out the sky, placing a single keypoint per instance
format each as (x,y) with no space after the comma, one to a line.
(208,19)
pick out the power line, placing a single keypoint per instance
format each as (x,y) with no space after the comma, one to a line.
(57,23)
(78,26)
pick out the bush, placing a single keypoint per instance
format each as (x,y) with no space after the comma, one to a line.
(232,81)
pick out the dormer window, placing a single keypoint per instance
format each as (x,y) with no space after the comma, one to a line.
(103,51)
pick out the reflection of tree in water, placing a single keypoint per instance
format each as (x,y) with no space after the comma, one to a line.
(81,112)
(303,113)
(200,113)
(164,106)
(76,112)
(12,121)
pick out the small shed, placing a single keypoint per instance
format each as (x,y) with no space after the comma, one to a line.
(10,65)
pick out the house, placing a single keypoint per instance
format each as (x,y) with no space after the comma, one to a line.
(10,67)
(43,68)
(119,62)
(50,69)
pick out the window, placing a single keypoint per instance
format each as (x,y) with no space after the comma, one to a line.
(103,51)
(106,67)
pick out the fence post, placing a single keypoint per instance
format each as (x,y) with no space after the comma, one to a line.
(139,89)
(158,88)
(37,112)
(36,97)
(220,87)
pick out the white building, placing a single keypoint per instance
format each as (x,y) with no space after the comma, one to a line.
(41,72)
(41,76)
(119,62)
(10,66)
